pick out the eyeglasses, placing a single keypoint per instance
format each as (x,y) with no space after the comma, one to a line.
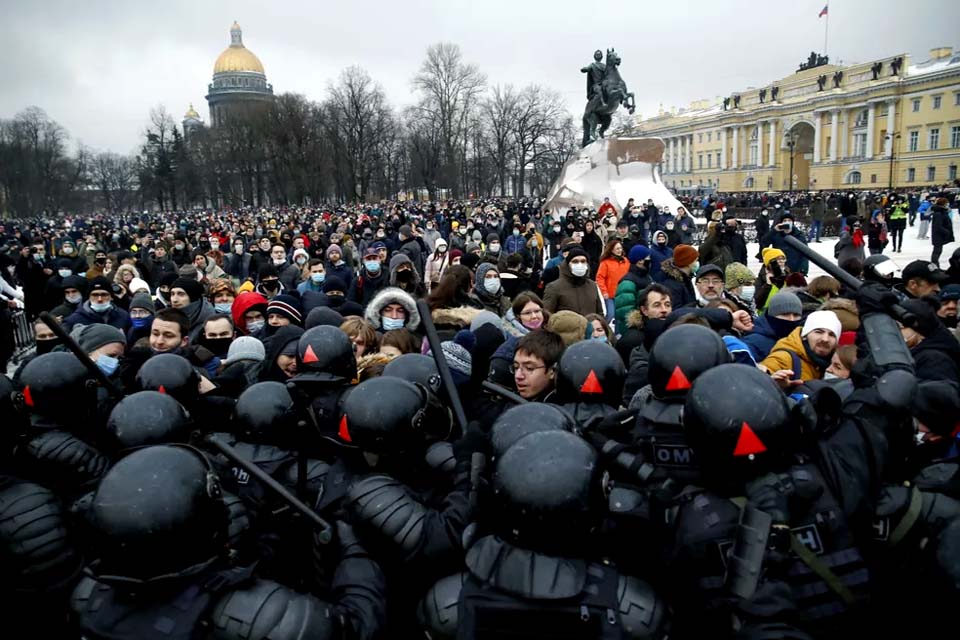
(531,313)
(526,368)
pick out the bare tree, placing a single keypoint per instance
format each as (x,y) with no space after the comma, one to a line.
(539,114)
(448,89)
(115,176)
(500,110)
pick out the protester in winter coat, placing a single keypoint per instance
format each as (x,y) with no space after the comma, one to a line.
(574,290)
(941,229)
(781,317)
(613,267)
(809,347)
(633,282)
(391,309)
(489,290)
(660,250)
(676,275)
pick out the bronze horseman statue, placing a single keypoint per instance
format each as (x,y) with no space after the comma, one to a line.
(606,91)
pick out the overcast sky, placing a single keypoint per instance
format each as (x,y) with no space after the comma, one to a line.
(98,66)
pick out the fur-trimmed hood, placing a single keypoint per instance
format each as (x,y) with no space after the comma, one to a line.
(392,295)
(846,310)
(635,319)
(672,271)
(456,316)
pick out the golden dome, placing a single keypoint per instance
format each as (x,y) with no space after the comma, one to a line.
(191,113)
(237,57)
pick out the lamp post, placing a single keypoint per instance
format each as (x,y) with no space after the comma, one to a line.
(791,143)
(893,148)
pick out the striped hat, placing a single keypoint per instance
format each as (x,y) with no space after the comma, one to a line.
(287,306)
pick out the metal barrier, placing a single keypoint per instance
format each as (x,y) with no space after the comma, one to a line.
(22,333)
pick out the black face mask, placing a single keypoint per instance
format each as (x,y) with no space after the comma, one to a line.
(46,346)
(782,328)
(405,276)
(950,322)
(218,346)
(271,285)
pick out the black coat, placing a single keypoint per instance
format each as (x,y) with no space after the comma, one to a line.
(938,357)
(941,231)
(677,282)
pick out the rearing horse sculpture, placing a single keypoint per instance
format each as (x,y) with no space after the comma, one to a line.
(600,108)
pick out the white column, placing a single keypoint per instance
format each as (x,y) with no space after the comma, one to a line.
(683,154)
(676,155)
(891,119)
(817,116)
(735,158)
(690,153)
(871,122)
(834,133)
(759,144)
(772,150)
(723,147)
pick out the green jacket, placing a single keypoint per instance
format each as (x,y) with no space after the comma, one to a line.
(625,298)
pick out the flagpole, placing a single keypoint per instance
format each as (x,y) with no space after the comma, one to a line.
(826,29)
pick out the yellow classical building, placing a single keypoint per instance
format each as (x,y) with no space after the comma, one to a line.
(889,122)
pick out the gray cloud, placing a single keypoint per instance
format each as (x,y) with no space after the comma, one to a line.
(98,67)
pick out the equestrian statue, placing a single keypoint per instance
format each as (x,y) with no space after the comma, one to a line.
(606,92)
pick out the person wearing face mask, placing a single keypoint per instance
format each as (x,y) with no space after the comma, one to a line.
(221,294)
(103,344)
(949,300)
(238,263)
(372,277)
(437,264)
(99,308)
(526,314)
(162,294)
(301,258)
(599,330)
(335,298)
(574,290)
(53,290)
(936,354)
(796,261)
(268,282)
(141,312)
(181,251)
(492,249)
(249,313)
(99,265)
(289,274)
(337,266)
(73,291)
(314,275)
(392,309)
(739,284)
(660,250)
(489,290)
(781,317)
(430,235)
(404,275)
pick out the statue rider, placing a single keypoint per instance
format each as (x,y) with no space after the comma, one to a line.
(595,72)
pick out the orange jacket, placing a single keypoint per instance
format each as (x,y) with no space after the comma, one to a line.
(610,273)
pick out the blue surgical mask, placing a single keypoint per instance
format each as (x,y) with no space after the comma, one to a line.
(101,307)
(317,278)
(389,324)
(372,266)
(64,273)
(223,307)
(747,292)
(600,338)
(107,364)
(140,323)
(255,327)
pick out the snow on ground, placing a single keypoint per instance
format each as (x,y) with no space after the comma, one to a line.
(913,249)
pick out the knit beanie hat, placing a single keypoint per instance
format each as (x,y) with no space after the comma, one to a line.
(245,348)
(786,302)
(471,247)
(458,356)
(191,287)
(334,248)
(569,325)
(770,254)
(100,284)
(576,251)
(684,255)
(143,301)
(287,306)
(167,280)
(323,317)
(75,282)
(301,253)
(637,253)
(93,336)
(737,275)
(138,284)
(492,237)
(822,320)
(483,318)
(334,283)
(188,271)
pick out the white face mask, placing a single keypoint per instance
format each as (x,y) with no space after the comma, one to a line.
(747,293)
(492,285)
(830,376)
(579,269)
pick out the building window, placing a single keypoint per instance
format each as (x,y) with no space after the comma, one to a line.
(754,154)
(914,141)
(859,145)
(911,174)
(873,178)
(709,161)
(854,177)
(916,105)
(861,120)
(931,174)
(952,172)
(718,161)
(710,135)
(936,101)
(699,161)
(955,137)
(748,183)
(934,139)
(956,99)
(699,137)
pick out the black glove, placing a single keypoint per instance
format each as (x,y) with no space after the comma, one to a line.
(873,297)
(474,440)
(771,494)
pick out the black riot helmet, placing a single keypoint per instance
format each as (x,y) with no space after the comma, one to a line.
(10,415)
(158,514)
(591,372)
(56,385)
(524,419)
(265,413)
(148,417)
(325,354)
(548,489)
(170,374)
(679,356)
(415,367)
(738,423)
(391,415)
(879,268)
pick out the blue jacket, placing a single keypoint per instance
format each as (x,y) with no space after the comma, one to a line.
(739,350)
(762,339)
(515,244)
(657,255)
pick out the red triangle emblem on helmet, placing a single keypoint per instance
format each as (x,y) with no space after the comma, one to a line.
(27,397)
(678,380)
(162,389)
(748,443)
(344,432)
(591,384)
(309,356)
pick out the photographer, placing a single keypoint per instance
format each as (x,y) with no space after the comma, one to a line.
(796,261)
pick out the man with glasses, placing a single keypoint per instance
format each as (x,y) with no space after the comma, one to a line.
(534,365)
(709,284)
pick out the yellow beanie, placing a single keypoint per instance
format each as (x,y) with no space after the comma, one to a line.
(770,254)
